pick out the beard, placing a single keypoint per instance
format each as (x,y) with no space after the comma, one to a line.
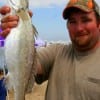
(84,42)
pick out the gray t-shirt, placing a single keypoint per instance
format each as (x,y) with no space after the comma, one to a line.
(71,75)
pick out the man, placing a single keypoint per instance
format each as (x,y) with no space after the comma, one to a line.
(72,71)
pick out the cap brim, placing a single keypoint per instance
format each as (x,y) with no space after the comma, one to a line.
(69,9)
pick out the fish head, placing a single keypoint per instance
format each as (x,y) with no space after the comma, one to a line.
(17,5)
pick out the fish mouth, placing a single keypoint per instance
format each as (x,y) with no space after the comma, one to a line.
(17,7)
(13,5)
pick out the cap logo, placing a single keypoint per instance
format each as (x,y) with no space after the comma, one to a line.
(88,3)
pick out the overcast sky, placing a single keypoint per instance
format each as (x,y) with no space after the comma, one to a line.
(42,3)
(48,18)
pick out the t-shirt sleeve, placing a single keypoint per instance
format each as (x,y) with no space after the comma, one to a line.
(46,57)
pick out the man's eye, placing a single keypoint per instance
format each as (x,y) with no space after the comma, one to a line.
(72,22)
(86,20)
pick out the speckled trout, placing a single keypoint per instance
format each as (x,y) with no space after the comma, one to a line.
(20,51)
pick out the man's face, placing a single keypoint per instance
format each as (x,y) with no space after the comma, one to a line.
(83,29)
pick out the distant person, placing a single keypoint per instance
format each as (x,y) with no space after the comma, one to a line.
(3,91)
(73,70)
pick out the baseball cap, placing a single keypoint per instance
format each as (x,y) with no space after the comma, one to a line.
(84,5)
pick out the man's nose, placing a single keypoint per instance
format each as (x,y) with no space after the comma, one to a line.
(79,27)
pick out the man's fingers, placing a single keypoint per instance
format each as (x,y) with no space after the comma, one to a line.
(4,10)
(9,25)
(9,22)
(10,18)
(30,13)
(5,32)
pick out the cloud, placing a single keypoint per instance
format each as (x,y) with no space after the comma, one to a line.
(49,3)
(44,3)
(41,3)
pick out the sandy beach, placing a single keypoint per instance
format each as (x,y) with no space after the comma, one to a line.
(37,94)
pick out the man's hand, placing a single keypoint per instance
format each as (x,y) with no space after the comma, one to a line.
(8,22)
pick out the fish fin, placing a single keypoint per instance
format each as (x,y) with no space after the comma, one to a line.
(35,31)
(8,83)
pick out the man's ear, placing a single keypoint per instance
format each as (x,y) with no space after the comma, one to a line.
(67,22)
(99,25)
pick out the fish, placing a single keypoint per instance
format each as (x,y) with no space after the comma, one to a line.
(20,53)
